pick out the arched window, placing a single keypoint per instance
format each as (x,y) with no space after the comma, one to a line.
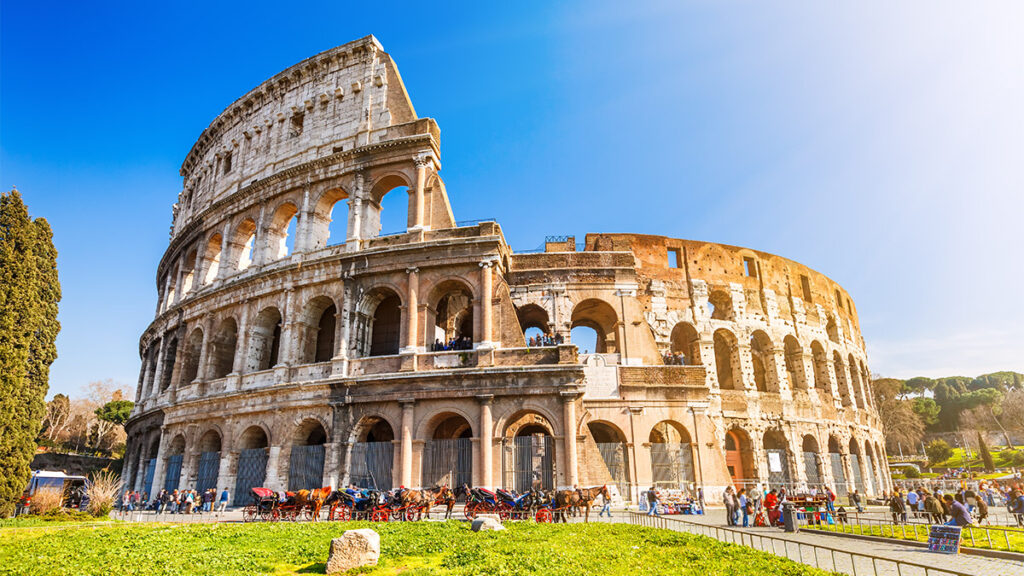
(841,378)
(319,321)
(821,375)
(170,355)
(533,320)
(281,232)
(244,244)
(212,258)
(193,348)
(378,323)
(685,345)
(222,348)
(600,319)
(720,305)
(727,360)
(832,330)
(762,354)
(451,311)
(188,273)
(858,391)
(329,221)
(795,363)
(265,341)
(388,212)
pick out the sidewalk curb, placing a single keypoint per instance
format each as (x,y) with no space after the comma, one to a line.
(999,554)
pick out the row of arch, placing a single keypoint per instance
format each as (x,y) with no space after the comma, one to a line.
(255,240)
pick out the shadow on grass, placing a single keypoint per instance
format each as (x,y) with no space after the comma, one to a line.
(318,568)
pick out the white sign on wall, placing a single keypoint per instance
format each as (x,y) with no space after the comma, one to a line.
(774,462)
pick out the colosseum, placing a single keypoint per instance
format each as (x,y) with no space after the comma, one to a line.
(295,346)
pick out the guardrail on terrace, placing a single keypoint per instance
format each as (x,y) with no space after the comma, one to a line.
(975,536)
(822,557)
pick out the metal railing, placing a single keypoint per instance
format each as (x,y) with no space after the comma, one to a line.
(987,537)
(464,223)
(821,557)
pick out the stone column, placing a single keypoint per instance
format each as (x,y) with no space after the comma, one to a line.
(486,440)
(273,477)
(407,418)
(140,473)
(330,465)
(160,471)
(241,343)
(225,479)
(569,427)
(203,360)
(355,216)
(809,375)
(486,339)
(154,385)
(745,375)
(225,247)
(412,308)
(421,182)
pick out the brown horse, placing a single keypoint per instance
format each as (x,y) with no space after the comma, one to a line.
(420,501)
(577,499)
(315,499)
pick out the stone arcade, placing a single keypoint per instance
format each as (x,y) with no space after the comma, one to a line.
(293,346)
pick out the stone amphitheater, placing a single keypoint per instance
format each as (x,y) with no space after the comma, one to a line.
(295,346)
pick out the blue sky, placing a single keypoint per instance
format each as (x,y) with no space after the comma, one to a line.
(881,146)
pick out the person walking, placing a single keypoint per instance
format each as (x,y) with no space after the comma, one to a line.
(896,507)
(606,508)
(855,499)
(933,509)
(223,501)
(652,502)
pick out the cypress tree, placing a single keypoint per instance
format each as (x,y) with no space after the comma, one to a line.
(29,293)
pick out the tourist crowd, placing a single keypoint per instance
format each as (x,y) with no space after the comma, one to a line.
(544,340)
(962,507)
(175,501)
(460,343)
(674,359)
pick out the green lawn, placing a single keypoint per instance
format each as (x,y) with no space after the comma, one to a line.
(957,459)
(411,549)
(973,537)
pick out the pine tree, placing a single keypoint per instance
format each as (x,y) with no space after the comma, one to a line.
(29,293)
(986,456)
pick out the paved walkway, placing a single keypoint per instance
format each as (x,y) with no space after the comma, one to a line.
(793,547)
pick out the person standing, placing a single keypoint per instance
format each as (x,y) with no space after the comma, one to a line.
(744,506)
(729,499)
(896,507)
(855,499)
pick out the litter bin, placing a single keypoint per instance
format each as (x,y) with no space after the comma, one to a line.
(789,517)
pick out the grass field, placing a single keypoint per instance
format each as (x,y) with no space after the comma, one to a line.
(973,537)
(411,549)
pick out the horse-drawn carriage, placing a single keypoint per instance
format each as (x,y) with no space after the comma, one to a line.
(270,506)
(382,506)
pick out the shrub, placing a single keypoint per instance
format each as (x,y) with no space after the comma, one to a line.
(103,489)
(46,501)
(911,473)
(1018,458)
(938,451)
(1008,454)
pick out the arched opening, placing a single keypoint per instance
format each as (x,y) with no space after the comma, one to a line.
(373,453)
(529,453)
(209,461)
(727,360)
(812,465)
(841,378)
(533,320)
(858,390)
(795,363)
(599,317)
(306,462)
(685,348)
(170,355)
(379,323)
(252,463)
(869,395)
(389,208)
(777,452)
(858,474)
(739,457)
(329,220)
(762,355)
(319,325)
(175,457)
(265,340)
(222,348)
(280,241)
(720,305)
(611,445)
(151,455)
(188,273)
(821,376)
(832,330)
(871,482)
(244,243)
(448,455)
(193,349)
(835,455)
(451,314)
(211,257)
(671,456)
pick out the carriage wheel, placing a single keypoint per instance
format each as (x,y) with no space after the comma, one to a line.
(379,516)
(471,510)
(344,514)
(504,511)
(307,515)
(248,514)
(543,515)
(412,514)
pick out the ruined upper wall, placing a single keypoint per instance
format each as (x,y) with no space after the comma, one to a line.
(721,266)
(340,99)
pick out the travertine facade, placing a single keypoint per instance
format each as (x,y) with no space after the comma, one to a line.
(285,355)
